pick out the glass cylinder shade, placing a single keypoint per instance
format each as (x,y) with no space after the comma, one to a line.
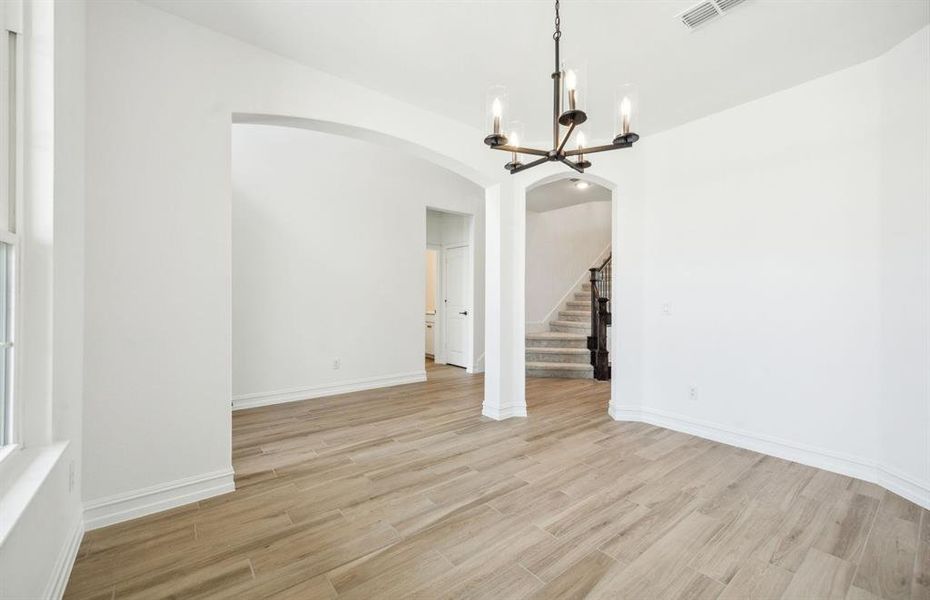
(574,96)
(581,142)
(626,107)
(516,135)
(496,110)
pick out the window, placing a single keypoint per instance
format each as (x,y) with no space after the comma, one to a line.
(9,239)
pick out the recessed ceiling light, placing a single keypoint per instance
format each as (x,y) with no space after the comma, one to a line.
(581,185)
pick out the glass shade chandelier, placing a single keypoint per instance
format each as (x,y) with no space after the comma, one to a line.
(565,94)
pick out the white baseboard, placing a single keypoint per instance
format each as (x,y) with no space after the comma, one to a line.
(257,399)
(903,485)
(478,367)
(138,503)
(64,563)
(504,412)
(906,487)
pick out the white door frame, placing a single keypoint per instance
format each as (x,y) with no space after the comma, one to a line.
(439,355)
(439,350)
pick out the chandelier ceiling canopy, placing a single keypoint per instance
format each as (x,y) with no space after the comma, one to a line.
(565,95)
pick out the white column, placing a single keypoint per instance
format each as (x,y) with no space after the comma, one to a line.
(504,384)
(628,248)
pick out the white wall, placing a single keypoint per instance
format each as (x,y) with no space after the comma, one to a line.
(788,238)
(161,94)
(447,228)
(328,238)
(561,245)
(904,406)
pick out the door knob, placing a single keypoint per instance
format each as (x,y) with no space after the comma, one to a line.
(464,312)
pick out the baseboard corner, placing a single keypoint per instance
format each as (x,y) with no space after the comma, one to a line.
(624,413)
(139,503)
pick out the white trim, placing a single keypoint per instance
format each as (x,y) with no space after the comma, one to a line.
(257,399)
(504,412)
(437,356)
(65,562)
(568,295)
(844,464)
(22,476)
(8,450)
(903,485)
(138,503)
(478,365)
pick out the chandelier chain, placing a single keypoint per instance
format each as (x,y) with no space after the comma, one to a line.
(558,22)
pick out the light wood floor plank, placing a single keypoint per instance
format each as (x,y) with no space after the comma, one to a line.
(408,492)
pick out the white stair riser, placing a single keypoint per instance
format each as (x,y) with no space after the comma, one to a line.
(566,357)
(583,297)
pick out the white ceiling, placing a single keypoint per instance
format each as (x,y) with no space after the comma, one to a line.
(443,55)
(561,193)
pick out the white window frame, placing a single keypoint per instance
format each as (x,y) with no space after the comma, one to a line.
(11,180)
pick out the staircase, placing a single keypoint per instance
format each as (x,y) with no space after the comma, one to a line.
(563,350)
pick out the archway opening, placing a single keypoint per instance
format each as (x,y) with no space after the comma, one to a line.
(310,321)
(567,291)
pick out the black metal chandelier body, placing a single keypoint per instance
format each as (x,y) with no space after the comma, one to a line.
(571,118)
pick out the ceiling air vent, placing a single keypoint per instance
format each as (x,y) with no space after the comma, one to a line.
(698,15)
(701,13)
(725,5)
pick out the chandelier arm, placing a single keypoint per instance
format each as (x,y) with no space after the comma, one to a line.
(535,163)
(521,150)
(571,164)
(561,146)
(596,149)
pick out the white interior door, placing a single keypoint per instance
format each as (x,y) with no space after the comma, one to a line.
(457,311)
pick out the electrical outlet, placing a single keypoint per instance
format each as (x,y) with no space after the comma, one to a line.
(71,476)
(337,363)
(693,393)
(666,309)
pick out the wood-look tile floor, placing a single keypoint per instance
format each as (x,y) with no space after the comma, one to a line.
(409,492)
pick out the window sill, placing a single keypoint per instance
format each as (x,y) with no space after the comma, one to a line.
(8,451)
(22,473)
